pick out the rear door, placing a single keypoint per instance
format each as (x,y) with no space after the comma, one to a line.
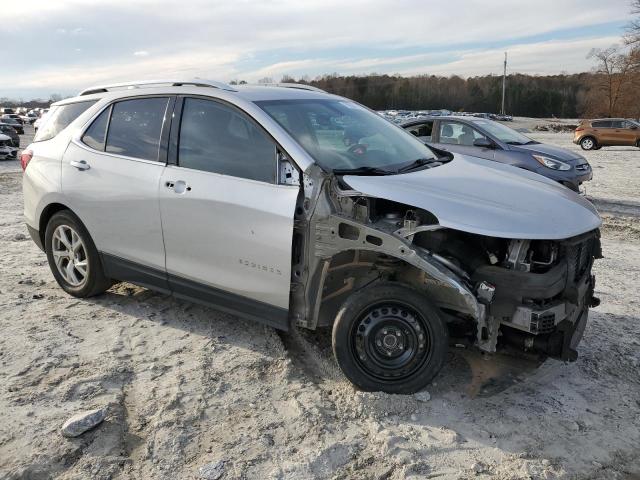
(227,223)
(458,137)
(603,132)
(111,176)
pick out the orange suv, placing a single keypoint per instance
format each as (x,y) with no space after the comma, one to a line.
(605,132)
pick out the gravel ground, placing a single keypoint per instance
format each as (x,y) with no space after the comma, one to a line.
(194,393)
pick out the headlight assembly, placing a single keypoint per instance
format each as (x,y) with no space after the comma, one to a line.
(552,163)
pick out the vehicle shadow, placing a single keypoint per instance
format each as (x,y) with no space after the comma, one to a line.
(466,370)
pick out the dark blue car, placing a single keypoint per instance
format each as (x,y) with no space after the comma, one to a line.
(484,138)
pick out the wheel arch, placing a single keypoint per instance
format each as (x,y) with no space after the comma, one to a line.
(47,212)
(352,269)
(591,136)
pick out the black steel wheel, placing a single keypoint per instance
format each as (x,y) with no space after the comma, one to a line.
(390,338)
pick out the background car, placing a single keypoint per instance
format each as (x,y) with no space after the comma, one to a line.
(607,132)
(15,116)
(10,132)
(13,122)
(7,150)
(484,138)
(29,118)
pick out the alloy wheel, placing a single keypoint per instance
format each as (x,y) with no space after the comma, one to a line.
(70,255)
(587,144)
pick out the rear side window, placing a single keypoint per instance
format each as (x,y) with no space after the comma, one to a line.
(617,124)
(217,138)
(136,126)
(96,134)
(59,118)
(601,124)
(422,131)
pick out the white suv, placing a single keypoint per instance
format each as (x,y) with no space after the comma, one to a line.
(289,206)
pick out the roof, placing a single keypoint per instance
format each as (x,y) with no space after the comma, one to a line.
(252,93)
(463,118)
(255,93)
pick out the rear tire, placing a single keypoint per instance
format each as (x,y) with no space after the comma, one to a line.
(588,143)
(390,338)
(73,257)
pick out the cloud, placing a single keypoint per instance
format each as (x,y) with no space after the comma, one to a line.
(251,39)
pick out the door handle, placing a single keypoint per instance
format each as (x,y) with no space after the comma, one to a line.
(80,164)
(179,186)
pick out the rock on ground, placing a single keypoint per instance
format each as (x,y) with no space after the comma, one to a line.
(83,421)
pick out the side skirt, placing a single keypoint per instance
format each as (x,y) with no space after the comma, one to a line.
(154,279)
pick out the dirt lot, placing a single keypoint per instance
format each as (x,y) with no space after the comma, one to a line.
(188,386)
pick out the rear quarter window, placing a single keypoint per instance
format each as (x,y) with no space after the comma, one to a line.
(59,118)
(136,126)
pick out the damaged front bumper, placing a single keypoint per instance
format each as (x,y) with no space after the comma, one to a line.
(540,312)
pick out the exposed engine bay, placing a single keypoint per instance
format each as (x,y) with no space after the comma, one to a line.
(532,295)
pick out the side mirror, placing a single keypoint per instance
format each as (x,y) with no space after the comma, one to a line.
(483,143)
(633,127)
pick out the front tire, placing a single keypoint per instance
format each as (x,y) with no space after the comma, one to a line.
(73,257)
(390,338)
(588,143)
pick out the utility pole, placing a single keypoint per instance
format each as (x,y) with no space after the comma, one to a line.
(504,82)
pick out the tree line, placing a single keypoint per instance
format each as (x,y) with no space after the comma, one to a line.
(526,95)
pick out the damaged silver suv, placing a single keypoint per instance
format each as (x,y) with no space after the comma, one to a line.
(289,206)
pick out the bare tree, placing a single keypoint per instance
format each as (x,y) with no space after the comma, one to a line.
(632,36)
(615,74)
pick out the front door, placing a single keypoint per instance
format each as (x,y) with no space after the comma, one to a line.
(227,223)
(624,133)
(110,178)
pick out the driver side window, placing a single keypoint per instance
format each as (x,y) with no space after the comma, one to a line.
(456,133)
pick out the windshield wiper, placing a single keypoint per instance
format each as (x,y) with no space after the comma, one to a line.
(362,171)
(416,164)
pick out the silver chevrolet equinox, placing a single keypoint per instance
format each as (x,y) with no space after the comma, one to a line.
(289,206)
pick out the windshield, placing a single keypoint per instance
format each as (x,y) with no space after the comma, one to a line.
(342,135)
(504,133)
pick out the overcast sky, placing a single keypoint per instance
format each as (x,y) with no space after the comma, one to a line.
(60,46)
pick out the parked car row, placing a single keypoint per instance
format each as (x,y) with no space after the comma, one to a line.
(289,206)
(402,116)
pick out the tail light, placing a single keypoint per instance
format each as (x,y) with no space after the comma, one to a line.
(25,158)
(579,129)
